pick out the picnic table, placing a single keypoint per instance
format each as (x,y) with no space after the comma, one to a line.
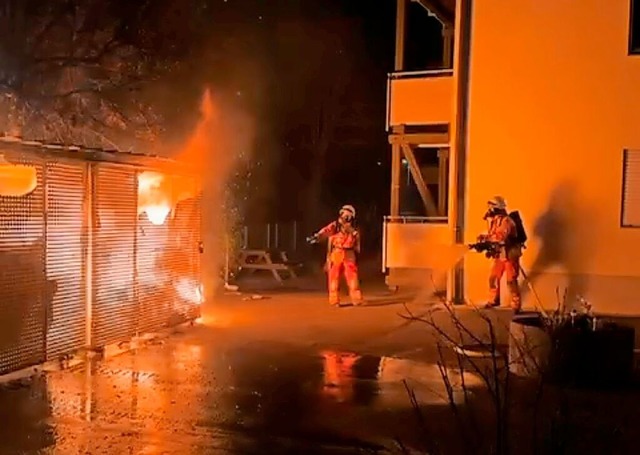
(253,260)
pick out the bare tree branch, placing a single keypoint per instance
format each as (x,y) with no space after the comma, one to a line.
(75,70)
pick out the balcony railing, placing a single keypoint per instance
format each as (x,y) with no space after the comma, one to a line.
(407,219)
(420,98)
(412,242)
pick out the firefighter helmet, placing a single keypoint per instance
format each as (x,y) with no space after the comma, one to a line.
(349,209)
(497,202)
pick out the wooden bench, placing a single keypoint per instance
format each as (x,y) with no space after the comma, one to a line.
(252,260)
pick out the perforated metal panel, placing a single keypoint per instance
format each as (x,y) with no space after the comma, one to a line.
(155,291)
(168,267)
(114,303)
(631,189)
(22,277)
(185,258)
(66,289)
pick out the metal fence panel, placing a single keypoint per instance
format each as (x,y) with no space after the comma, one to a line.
(286,237)
(154,282)
(114,315)
(168,266)
(22,277)
(275,236)
(183,258)
(66,320)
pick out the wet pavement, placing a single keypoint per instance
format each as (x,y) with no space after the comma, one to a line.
(200,392)
(284,374)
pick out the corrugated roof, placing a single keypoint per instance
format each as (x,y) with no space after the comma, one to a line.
(92,154)
(56,146)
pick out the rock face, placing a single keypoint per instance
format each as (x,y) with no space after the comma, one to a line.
(529,346)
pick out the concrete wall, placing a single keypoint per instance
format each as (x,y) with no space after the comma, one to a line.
(554,101)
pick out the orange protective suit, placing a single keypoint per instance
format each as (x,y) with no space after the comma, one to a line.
(342,246)
(501,230)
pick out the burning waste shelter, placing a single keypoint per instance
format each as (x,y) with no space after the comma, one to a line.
(96,247)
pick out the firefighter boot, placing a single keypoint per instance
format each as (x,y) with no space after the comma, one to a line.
(497,270)
(516,301)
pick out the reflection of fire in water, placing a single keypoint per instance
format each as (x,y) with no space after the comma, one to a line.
(348,377)
(338,375)
(151,395)
(426,379)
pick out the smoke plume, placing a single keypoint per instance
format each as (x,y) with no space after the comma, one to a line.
(220,142)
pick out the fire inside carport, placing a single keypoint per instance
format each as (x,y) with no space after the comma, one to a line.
(96,248)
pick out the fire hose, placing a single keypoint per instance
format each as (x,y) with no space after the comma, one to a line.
(490,249)
(533,291)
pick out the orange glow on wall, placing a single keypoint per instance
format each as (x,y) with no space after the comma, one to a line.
(421,99)
(417,245)
(553,103)
(16,179)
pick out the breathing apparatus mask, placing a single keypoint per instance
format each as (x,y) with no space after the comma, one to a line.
(347,213)
(493,212)
(495,206)
(346,217)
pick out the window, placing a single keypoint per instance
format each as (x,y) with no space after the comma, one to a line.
(630,216)
(433,166)
(634,27)
(424,42)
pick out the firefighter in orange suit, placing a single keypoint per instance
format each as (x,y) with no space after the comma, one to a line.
(505,256)
(342,247)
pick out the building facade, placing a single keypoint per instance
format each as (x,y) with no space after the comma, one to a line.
(538,103)
(90,254)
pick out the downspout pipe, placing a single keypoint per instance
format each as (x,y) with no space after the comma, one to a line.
(459,139)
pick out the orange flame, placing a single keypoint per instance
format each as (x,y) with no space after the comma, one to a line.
(198,148)
(220,140)
(16,180)
(154,196)
(159,194)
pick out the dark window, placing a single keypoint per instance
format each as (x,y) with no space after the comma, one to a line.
(630,216)
(434,168)
(423,41)
(634,27)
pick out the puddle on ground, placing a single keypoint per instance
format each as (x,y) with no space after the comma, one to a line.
(383,381)
(195,397)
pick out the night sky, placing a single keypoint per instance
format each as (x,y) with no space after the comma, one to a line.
(311,74)
(356,164)
(356,168)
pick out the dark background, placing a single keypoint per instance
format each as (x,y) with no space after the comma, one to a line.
(311,75)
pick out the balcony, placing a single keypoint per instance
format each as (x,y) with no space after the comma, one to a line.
(414,242)
(420,98)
